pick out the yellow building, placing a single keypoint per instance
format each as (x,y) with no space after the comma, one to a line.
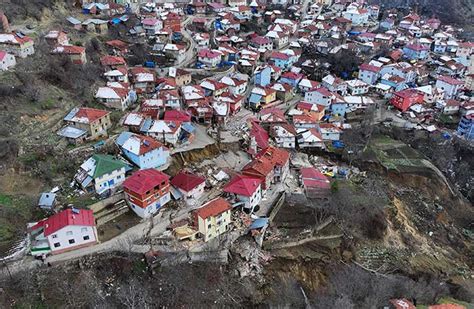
(213,218)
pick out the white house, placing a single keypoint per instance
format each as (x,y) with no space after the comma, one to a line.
(188,186)
(335,84)
(284,135)
(17,44)
(357,87)
(177,51)
(114,97)
(6,61)
(449,85)
(210,58)
(310,138)
(401,69)
(100,173)
(369,73)
(165,131)
(306,84)
(320,96)
(330,132)
(67,230)
(356,16)
(236,86)
(152,25)
(245,189)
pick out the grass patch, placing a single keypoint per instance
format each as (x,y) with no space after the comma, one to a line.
(448,119)
(449,300)
(397,156)
(5,200)
(48,103)
(15,212)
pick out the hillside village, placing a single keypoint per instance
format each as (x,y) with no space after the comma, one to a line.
(280,83)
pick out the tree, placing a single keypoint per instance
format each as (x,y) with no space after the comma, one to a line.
(134,295)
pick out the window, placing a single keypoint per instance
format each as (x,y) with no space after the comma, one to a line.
(57,244)
(54,236)
(71,241)
(69,233)
(208,226)
(86,237)
(84,230)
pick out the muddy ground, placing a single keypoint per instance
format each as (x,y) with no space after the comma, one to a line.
(396,235)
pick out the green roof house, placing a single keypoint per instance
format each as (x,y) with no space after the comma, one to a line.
(101,173)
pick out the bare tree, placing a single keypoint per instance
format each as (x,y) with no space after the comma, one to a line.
(133,296)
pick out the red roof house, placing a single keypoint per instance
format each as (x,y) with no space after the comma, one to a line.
(315,184)
(146,191)
(270,165)
(177,115)
(213,218)
(189,185)
(113,61)
(67,230)
(405,98)
(243,185)
(258,138)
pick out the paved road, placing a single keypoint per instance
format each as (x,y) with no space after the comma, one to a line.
(123,242)
(192,44)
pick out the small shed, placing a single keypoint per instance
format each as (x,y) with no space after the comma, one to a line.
(47,201)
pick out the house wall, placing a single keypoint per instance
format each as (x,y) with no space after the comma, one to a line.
(282,64)
(331,136)
(358,90)
(466,128)
(152,208)
(109,181)
(270,98)
(317,98)
(155,158)
(97,128)
(310,143)
(252,201)
(263,77)
(59,241)
(183,80)
(368,77)
(7,62)
(195,193)
(171,138)
(19,50)
(212,62)
(214,226)
(449,90)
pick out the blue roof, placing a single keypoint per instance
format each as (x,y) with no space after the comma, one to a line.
(73,20)
(146,125)
(188,127)
(71,132)
(47,199)
(255,98)
(123,137)
(175,193)
(71,114)
(259,223)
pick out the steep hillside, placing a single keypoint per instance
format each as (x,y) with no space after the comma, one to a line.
(460,12)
